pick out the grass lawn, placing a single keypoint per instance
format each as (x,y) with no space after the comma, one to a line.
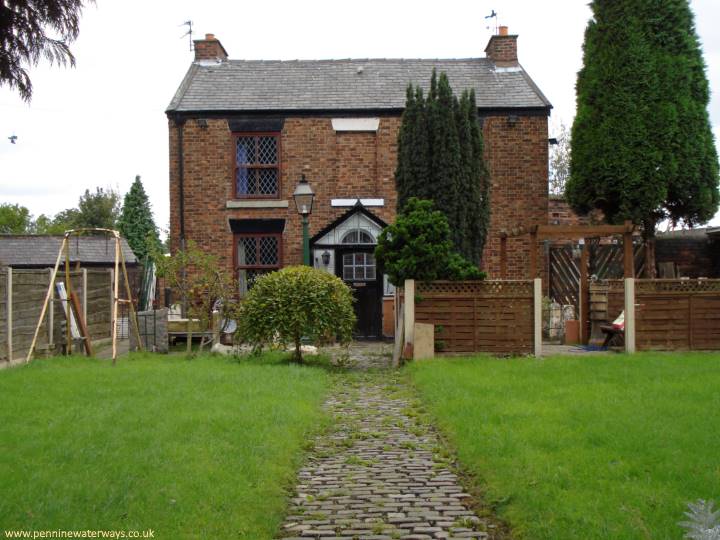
(191,449)
(583,447)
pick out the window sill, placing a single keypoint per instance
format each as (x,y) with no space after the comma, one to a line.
(257,203)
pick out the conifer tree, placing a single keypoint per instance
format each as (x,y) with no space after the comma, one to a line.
(413,164)
(474,215)
(136,220)
(446,165)
(642,147)
(440,158)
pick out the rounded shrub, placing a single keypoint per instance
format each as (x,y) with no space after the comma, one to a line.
(296,302)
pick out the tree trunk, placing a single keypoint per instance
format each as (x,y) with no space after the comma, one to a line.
(648,234)
(298,352)
(189,337)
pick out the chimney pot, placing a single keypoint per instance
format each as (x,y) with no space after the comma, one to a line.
(209,37)
(503,31)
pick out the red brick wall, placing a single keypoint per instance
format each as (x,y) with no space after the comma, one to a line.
(209,48)
(350,164)
(560,213)
(517,157)
(502,49)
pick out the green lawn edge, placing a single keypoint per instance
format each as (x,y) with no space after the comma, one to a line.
(201,448)
(593,446)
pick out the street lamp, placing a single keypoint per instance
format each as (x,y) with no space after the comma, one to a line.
(304,196)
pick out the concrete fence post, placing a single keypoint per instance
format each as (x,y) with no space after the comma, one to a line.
(409,315)
(629,315)
(537,317)
(9,314)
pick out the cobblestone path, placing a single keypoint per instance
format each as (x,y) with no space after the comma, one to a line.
(380,473)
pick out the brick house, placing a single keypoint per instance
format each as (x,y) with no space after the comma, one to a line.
(243,132)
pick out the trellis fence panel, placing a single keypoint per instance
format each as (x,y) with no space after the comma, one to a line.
(478,316)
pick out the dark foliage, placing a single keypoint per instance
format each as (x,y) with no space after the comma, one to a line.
(35,29)
(136,220)
(440,158)
(642,146)
(418,246)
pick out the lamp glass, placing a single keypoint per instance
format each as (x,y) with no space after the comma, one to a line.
(303,197)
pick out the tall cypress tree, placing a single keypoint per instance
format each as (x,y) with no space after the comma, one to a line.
(445,164)
(642,147)
(413,164)
(136,221)
(475,204)
(440,158)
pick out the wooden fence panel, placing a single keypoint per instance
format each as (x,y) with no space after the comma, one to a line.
(29,287)
(99,304)
(661,323)
(678,314)
(28,293)
(484,316)
(616,299)
(3,315)
(706,322)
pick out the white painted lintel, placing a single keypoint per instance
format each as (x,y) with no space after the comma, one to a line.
(353,202)
(355,124)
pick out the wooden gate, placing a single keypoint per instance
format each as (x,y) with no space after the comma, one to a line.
(605,262)
(564,276)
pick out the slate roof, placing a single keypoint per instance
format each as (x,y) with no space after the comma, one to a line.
(29,250)
(307,85)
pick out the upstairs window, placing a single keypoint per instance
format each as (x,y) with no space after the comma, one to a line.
(257,165)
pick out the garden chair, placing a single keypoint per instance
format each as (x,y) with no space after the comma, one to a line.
(615,332)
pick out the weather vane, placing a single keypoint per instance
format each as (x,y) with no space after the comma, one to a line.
(493,15)
(189,24)
(12,138)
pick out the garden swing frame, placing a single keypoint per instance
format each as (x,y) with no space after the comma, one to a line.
(71,298)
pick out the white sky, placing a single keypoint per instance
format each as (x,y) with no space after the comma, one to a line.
(103,122)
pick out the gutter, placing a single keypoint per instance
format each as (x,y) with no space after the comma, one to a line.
(180,124)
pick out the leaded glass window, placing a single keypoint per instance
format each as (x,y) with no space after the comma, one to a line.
(257,165)
(256,255)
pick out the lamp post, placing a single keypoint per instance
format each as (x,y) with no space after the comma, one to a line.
(304,197)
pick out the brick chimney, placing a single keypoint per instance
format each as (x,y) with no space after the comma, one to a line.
(209,48)
(502,48)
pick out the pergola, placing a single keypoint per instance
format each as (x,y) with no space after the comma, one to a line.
(575,232)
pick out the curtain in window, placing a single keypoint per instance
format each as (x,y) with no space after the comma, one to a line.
(241,158)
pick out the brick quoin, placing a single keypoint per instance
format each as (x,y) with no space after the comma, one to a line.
(351,165)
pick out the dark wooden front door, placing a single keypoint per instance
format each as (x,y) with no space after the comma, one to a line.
(356,266)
